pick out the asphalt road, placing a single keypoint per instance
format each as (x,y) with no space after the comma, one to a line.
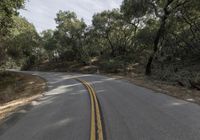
(129,112)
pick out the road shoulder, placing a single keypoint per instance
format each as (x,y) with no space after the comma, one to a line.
(189,95)
(23,89)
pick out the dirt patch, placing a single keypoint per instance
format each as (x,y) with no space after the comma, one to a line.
(190,95)
(17,89)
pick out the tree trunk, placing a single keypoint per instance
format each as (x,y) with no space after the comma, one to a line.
(148,66)
(159,34)
(156,43)
(111,45)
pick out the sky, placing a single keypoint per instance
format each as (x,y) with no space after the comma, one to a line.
(43,12)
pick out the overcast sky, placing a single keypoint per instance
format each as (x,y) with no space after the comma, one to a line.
(42,12)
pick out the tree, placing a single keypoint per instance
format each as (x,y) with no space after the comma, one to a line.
(49,43)
(8,8)
(116,33)
(23,41)
(70,34)
(160,10)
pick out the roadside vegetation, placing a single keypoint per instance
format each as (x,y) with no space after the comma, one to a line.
(17,89)
(15,86)
(159,39)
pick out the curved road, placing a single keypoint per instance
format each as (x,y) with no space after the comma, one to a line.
(129,112)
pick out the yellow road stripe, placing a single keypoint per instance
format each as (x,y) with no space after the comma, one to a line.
(96,131)
(98,115)
(93,125)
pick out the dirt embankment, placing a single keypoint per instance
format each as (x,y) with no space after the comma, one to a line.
(17,89)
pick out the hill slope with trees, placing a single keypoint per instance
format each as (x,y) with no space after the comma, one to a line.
(157,38)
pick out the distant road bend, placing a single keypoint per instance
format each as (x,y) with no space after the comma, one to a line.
(94,107)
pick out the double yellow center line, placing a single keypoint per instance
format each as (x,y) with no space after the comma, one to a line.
(96,130)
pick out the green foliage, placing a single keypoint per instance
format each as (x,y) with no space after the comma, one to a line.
(8,8)
(49,43)
(23,41)
(168,14)
(159,33)
(146,35)
(70,33)
(135,8)
(114,34)
(22,45)
(164,30)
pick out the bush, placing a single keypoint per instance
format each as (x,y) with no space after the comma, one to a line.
(112,65)
(31,61)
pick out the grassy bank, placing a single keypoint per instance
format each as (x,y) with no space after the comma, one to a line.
(17,89)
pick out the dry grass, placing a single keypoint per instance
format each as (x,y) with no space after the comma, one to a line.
(17,89)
